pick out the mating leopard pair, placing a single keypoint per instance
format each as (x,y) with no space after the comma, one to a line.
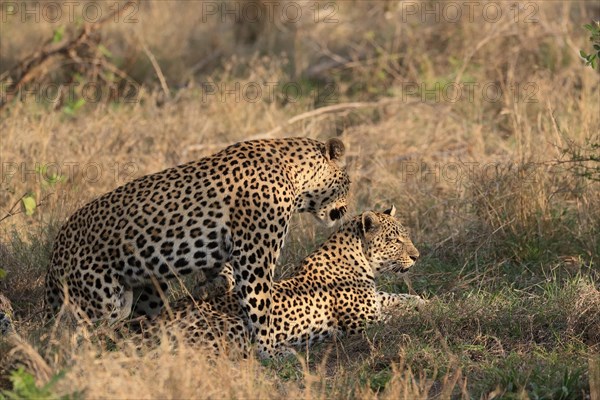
(112,258)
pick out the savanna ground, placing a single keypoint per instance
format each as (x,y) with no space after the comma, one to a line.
(477,126)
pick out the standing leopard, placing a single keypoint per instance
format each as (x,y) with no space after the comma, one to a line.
(114,255)
(333,291)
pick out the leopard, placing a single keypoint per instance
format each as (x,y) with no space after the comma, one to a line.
(332,293)
(113,258)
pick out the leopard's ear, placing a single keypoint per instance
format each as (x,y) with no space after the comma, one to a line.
(370,224)
(391,211)
(334,149)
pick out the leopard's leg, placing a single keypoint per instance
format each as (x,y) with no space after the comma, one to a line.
(253,273)
(213,283)
(210,286)
(252,257)
(390,300)
(103,298)
(53,297)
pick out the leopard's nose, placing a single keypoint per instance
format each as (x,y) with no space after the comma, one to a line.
(336,214)
(413,258)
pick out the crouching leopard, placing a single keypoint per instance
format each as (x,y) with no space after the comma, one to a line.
(332,292)
(114,255)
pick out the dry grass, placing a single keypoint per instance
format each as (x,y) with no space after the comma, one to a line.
(509,236)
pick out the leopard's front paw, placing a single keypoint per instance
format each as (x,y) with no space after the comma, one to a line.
(418,302)
(218,287)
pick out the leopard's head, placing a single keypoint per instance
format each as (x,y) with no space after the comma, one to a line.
(386,242)
(327,183)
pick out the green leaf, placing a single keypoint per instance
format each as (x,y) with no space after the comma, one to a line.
(54,179)
(2,273)
(29,204)
(24,387)
(105,51)
(78,104)
(40,169)
(58,34)
(72,107)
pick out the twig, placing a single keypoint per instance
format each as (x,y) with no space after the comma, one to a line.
(12,211)
(24,72)
(336,108)
(159,73)
(339,108)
